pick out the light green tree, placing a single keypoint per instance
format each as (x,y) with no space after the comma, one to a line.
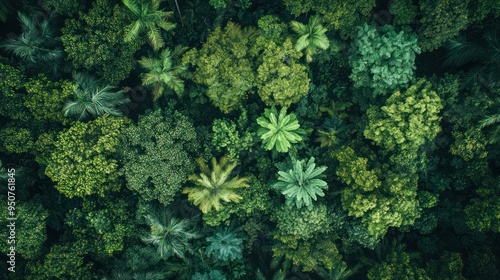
(84,159)
(214,185)
(301,184)
(279,130)
(407,121)
(224,64)
(312,37)
(148,17)
(281,79)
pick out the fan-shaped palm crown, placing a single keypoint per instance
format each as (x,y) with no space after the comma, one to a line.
(170,234)
(301,184)
(149,17)
(164,72)
(492,120)
(279,130)
(214,185)
(225,245)
(312,37)
(484,56)
(93,100)
(37,46)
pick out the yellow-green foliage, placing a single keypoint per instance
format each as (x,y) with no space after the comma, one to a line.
(46,99)
(381,200)
(224,65)
(281,79)
(11,82)
(83,161)
(407,120)
(16,139)
(214,185)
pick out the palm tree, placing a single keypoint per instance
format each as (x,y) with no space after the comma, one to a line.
(214,185)
(312,37)
(225,245)
(485,56)
(93,99)
(170,234)
(301,184)
(279,130)
(493,120)
(37,46)
(164,72)
(148,17)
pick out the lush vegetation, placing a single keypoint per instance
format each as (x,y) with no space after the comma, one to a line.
(250,139)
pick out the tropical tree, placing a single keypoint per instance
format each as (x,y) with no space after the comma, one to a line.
(484,56)
(225,245)
(93,99)
(312,37)
(150,18)
(493,120)
(155,155)
(37,46)
(225,65)
(382,59)
(170,234)
(214,185)
(164,72)
(279,130)
(301,184)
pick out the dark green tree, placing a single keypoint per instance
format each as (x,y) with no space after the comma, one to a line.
(38,46)
(93,99)
(171,235)
(225,245)
(155,155)
(101,30)
(164,73)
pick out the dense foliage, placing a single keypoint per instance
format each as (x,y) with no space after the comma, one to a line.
(250,139)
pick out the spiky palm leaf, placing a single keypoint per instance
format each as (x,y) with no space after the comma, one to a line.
(301,184)
(171,235)
(93,100)
(279,130)
(312,37)
(149,18)
(164,72)
(484,54)
(37,46)
(214,185)
(493,120)
(225,245)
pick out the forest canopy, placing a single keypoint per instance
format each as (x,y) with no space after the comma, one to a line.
(250,139)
